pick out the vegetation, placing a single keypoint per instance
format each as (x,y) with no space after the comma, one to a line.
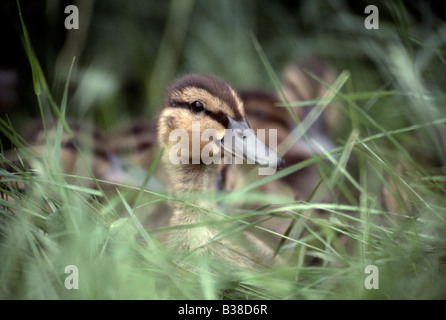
(386,178)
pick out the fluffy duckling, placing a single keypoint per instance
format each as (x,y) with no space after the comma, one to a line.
(298,84)
(40,142)
(211,103)
(263,112)
(116,156)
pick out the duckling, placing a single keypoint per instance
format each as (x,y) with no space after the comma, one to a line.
(263,112)
(116,156)
(298,84)
(96,159)
(213,104)
(39,141)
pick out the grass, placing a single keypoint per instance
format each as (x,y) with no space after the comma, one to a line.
(386,179)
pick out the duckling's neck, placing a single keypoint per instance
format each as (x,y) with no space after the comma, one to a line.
(195,184)
(191,178)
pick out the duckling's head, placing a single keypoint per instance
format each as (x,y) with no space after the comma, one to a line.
(208,116)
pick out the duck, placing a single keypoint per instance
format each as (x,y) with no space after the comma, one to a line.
(263,111)
(209,103)
(118,155)
(102,160)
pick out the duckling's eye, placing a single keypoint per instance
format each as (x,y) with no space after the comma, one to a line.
(196,106)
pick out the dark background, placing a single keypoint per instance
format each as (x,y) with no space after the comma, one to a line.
(121,43)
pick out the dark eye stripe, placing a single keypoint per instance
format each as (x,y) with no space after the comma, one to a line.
(219,116)
(179,104)
(213,85)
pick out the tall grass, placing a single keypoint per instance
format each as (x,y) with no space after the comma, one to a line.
(386,179)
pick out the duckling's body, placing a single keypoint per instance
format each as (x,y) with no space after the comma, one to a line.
(116,156)
(213,104)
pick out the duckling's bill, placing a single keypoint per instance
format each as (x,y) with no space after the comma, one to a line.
(242,142)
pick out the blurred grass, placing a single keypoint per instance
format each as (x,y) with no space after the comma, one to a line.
(392,135)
